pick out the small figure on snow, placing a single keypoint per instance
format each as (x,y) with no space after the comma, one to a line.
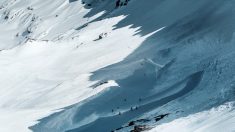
(136,108)
(131,108)
(118,3)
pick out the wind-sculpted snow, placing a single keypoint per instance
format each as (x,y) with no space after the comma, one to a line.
(189,49)
(90,66)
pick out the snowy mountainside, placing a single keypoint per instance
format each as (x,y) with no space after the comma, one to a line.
(39,20)
(220,119)
(90,65)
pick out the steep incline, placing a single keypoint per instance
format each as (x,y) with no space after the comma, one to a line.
(84,66)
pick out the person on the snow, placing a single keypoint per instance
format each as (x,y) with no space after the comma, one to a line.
(131,108)
(126,1)
(136,108)
(118,3)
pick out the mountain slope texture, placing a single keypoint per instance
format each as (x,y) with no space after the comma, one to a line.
(117,65)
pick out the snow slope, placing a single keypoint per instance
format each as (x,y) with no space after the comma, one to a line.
(219,119)
(72,65)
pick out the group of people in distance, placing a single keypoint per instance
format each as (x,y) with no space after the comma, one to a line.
(131,109)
